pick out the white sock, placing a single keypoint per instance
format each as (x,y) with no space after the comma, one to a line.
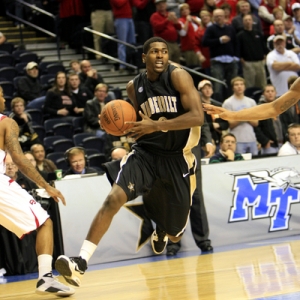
(87,250)
(45,264)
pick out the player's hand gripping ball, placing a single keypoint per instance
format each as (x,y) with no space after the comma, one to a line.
(114,115)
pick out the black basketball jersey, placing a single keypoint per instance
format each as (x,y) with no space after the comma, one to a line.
(159,101)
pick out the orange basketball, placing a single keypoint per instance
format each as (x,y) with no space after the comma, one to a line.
(114,115)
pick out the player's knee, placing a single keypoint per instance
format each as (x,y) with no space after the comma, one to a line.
(112,203)
(174,239)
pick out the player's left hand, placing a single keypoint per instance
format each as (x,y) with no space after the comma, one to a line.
(99,121)
(141,128)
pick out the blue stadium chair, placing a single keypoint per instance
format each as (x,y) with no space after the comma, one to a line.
(94,142)
(96,160)
(78,138)
(36,115)
(9,73)
(8,88)
(21,67)
(64,129)
(62,145)
(28,57)
(43,65)
(36,103)
(62,164)
(48,124)
(7,59)
(8,47)
(40,130)
(54,156)
(15,81)
(16,53)
(254,93)
(54,68)
(91,151)
(47,78)
(78,124)
(49,140)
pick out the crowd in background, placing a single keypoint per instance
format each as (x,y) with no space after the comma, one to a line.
(251,48)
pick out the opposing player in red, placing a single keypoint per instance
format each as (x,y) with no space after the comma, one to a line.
(161,163)
(20,213)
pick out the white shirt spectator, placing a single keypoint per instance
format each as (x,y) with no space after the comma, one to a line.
(288,149)
(280,78)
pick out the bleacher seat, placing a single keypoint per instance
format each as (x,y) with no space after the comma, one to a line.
(96,160)
(36,115)
(54,156)
(64,129)
(49,140)
(28,57)
(8,88)
(15,81)
(62,145)
(9,47)
(48,124)
(47,78)
(94,142)
(43,65)
(78,138)
(16,54)
(40,130)
(21,67)
(61,164)
(54,68)
(77,123)
(9,73)
(7,59)
(91,151)
(254,93)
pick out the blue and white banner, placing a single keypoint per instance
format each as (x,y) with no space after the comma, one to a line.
(246,201)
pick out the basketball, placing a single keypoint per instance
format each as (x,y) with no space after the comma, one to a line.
(114,115)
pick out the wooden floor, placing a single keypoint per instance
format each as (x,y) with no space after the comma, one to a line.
(252,273)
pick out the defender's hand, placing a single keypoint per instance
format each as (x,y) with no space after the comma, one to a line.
(217,110)
(55,194)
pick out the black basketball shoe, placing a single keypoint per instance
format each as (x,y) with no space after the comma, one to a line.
(72,269)
(159,240)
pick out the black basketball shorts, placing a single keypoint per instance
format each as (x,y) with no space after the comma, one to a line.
(166,184)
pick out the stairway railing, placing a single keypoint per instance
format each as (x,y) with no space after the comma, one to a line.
(44,12)
(136,48)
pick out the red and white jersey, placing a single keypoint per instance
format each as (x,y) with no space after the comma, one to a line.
(2,152)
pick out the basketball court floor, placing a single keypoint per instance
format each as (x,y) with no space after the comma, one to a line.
(262,270)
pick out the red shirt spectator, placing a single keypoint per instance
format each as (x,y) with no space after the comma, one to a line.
(195,6)
(205,21)
(121,9)
(162,26)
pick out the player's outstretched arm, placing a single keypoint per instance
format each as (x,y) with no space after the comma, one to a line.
(12,145)
(260,112)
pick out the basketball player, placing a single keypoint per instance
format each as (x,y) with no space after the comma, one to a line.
(260,112)
(161,161)
(20,213)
